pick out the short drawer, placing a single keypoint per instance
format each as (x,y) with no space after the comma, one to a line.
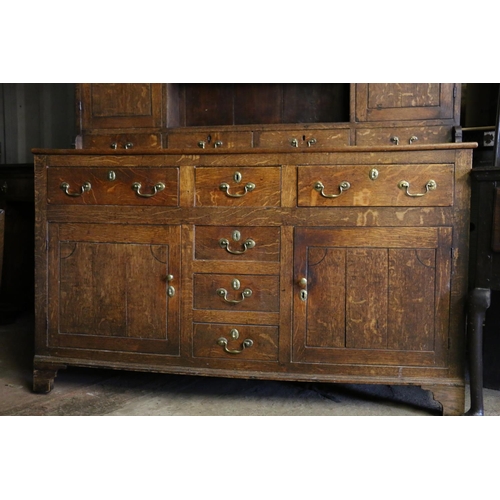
(402,136)
(209,140)
(122,141)
(228,292)
(304,138)
(378,185)
(235,342)
(237,243)
(120,186)
(238,186)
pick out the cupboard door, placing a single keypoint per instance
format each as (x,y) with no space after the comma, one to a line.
(121,105)
(406,101)
(114,287)
(372,296)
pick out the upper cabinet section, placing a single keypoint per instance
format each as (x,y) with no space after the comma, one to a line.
(265,115)
(406,101)
(121,105)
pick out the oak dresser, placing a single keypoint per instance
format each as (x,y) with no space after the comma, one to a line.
(326,252)
(345,265)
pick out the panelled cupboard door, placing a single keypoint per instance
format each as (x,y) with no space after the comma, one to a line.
(121,105)
(405,101)
(372,295)
(114,287)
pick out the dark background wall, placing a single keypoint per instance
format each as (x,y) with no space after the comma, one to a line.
(35,115)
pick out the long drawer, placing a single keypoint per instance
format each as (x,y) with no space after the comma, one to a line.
(121,186)
(376,185)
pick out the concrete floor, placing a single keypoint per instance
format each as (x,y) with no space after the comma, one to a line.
(85,392)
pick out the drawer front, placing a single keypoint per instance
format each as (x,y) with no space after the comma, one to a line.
(229,292)
(121,186)
(237,243)
(235,342)
(403,136)
(210,140)
(122,141)
(304,138)
(377,185)
(235,186)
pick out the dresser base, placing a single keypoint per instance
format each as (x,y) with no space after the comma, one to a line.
(449,393)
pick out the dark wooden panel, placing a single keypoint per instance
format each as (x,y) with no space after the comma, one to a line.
(412,275)
(264,103)
(315,102)
(121,99)
(326,275)
(103,290)
(207,104)
(257,103)
(367,301)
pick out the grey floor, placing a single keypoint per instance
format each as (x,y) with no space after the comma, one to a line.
(86,392)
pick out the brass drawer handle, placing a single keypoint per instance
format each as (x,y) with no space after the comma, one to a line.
(343,186)
(129,145)
(430,186)
(247,244)
(159,186)
(86,187)
(249,186)
(222,292)
(311,142)
(395,140)
(244,345)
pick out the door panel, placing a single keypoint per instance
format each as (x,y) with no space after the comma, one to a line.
(404,101)
(374,295)
(121,105)
(109,287)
